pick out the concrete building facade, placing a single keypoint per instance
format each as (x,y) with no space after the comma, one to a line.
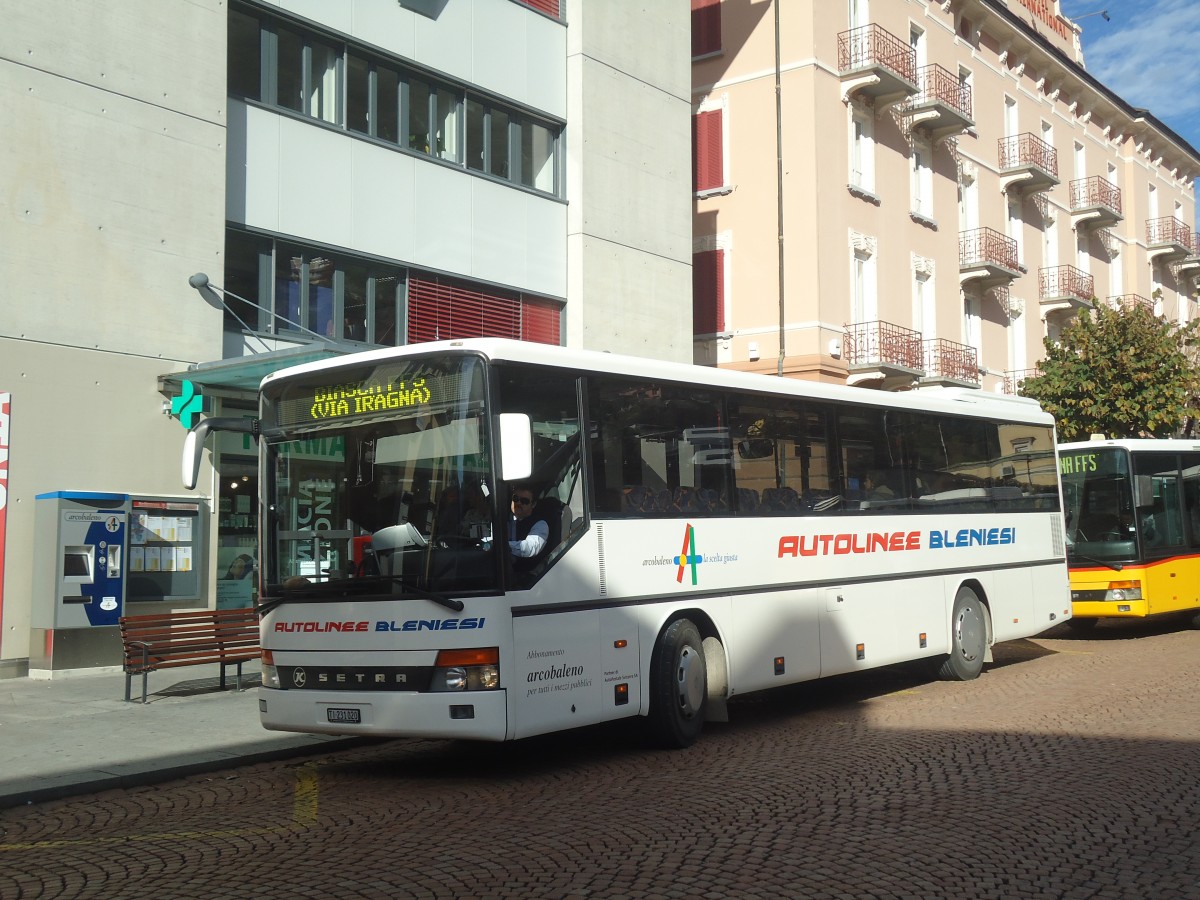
(942,186)
(354,175)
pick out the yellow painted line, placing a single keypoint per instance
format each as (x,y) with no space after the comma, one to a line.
(304,807)
(304,814)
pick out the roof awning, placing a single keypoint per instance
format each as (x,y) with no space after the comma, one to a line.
(242,375)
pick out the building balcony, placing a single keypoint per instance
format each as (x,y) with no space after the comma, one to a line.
(1130,301)
(1189,267)
(1095,203)
(880,354)
(1168,240)
(1014,379)
(876,65)
(1065,288)
(986,258)
(949,364)
(942,104)
(1027,164)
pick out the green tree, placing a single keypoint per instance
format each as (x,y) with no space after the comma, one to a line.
(1121,372)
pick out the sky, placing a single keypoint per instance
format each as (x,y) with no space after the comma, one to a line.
(1147,54)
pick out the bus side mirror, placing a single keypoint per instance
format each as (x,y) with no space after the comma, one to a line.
(1143,491)
(516,447)
(193,443)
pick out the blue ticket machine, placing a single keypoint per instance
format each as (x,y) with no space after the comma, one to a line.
(80,548)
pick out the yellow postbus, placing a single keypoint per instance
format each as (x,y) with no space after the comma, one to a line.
(1132,511)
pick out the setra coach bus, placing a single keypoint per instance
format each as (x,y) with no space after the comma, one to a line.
(1132,511)
(706,534)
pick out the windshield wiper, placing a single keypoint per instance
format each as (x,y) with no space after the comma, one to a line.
(1115,566)
(321,590)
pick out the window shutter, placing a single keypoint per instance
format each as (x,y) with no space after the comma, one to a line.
(709,169)
(708,292)
(440,309)
(706,26)
(549,7)
(540,321)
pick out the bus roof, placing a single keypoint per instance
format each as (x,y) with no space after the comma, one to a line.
(1163,445)
(951,400)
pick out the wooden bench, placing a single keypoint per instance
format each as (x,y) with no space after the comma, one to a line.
(167,640)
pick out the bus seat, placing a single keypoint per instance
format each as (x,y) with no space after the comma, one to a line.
(638,500)
(781,499)
(747,501)
(686,500)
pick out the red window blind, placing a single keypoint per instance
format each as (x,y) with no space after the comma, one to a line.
(549,7)
(708,292)
(708,169)
(540,321)
(706,26)
(440,309)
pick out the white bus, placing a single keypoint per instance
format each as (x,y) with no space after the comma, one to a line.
(709,533)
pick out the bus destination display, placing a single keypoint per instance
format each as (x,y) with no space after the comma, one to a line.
(317,403)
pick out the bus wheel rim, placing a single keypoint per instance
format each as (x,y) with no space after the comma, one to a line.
(689,680)
(969,627)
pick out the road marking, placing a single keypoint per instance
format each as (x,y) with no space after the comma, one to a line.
(304,815)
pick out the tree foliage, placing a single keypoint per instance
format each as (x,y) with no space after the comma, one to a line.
(1121,372)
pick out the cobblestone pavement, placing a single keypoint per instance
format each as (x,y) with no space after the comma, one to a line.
(1068,770)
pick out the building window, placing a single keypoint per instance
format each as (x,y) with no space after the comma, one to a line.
(446,309)
(549,7)
(282,289)
(1016,229)
(708,292)
(922,181)
(862,151)
(706,27)
(708,171)
(864,303)
(383,99)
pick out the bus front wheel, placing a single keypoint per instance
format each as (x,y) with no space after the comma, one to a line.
(678,685)
(968,632)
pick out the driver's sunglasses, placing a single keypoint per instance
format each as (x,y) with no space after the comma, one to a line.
(522,501)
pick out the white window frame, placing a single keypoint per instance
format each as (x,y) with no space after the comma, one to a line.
(921,179)
(862,150)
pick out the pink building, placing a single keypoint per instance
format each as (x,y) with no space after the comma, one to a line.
(941,186)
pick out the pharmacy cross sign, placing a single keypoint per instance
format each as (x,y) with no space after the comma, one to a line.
(188,404)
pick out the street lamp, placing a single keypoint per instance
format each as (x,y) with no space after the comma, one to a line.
(210,292)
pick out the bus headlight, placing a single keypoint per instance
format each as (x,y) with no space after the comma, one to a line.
(1124,590)
(467,670)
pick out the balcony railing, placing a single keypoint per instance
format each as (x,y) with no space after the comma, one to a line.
(1168,230)
(1095,191)
(937,84)
(1027,149)
(1127,301)
(871,46)
(951,361)
(1015,378)
(987,247)
(882,344)
(1057,282)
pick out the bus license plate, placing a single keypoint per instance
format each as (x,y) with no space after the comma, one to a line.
(341,715)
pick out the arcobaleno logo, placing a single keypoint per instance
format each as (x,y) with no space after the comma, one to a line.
(688,557)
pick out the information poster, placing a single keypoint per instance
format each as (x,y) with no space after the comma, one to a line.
(163,548)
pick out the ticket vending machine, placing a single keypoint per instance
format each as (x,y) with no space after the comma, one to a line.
(80,544)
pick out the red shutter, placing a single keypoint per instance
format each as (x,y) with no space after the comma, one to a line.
(549,7)
(706,26)
(707,135)
(540,321)
(708,292)
(441,309)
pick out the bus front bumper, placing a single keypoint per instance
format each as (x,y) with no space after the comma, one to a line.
(467,715)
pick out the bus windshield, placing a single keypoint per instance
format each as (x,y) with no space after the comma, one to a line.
(379,481)
(1099,510)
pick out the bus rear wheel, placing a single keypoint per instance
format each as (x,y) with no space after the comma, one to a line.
(678,686)
(968,631)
